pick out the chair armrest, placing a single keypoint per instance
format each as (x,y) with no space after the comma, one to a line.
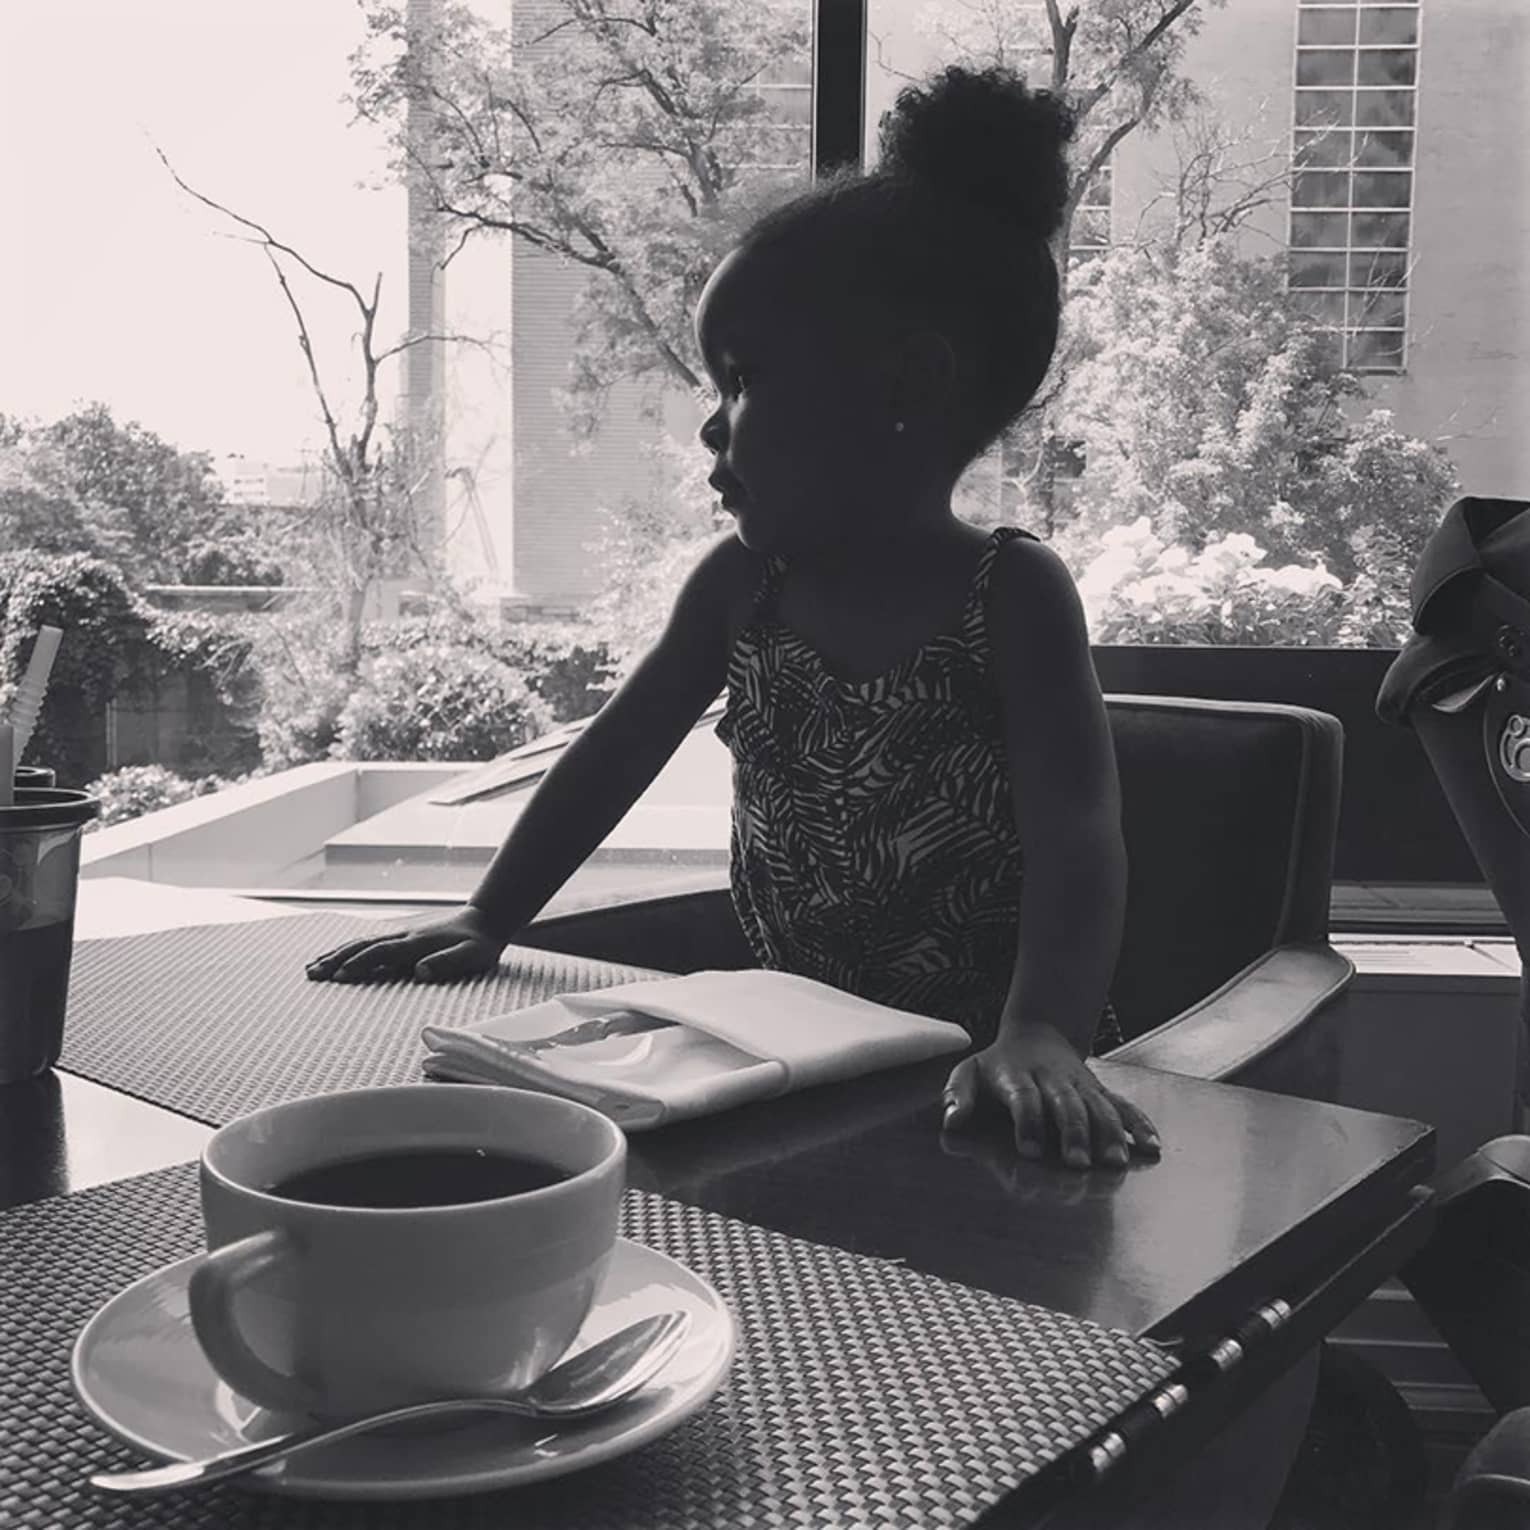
(1248,1017)
(1492,1489)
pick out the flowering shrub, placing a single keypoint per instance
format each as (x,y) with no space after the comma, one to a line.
(134,790)
(1141,589)
(438,701)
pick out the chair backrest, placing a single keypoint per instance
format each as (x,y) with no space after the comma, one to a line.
(1230,811)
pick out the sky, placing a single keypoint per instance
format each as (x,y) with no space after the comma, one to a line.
(124,290)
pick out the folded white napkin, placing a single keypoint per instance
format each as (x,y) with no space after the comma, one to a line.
(659,1051)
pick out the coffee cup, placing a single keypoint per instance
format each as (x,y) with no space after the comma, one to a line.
(381,1247)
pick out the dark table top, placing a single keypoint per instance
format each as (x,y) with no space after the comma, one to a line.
(1253,1189)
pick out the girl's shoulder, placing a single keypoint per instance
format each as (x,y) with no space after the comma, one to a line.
(1025,569)
(724,586)
(1033,605)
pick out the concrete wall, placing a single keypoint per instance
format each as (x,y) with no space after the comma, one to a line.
(1468,378)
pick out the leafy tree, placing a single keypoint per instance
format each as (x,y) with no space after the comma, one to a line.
(87,484)
(1202,401)
(626,139)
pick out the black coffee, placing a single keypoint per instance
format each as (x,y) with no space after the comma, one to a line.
(419,1177)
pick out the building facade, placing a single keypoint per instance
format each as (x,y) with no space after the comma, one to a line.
(1399,136)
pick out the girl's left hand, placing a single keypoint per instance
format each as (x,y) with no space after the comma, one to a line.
(1038,1077)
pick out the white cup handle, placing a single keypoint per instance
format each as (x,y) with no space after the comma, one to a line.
(215,1282)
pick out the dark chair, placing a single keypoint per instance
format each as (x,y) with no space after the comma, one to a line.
(1230,811)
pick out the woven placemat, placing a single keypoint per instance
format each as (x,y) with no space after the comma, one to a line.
(863,1394)
(218,1020)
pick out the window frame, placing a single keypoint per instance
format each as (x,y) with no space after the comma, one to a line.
(1354,334)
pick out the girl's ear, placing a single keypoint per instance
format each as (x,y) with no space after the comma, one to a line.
(923,374)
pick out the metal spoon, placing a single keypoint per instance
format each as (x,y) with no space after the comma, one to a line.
(594,1379)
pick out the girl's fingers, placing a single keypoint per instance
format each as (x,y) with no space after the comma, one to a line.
(1023,1100)
(960,1094)
(1070,1118)
(461,960)
(322,967)
(1109,1129)
(388,958)
(1143,1133)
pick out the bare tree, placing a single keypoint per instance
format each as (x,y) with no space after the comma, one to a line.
(1223,178)
(368,520)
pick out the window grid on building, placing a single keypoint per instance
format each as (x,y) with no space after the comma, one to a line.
(1354,120)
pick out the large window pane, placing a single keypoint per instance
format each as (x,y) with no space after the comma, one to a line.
(483,538)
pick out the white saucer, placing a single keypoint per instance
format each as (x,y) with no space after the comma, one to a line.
(139,1370)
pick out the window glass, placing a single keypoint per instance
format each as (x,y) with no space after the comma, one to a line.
(1326,27)
(1317,66)
(1384,108)
(1389,26)
(397,579)
(1386,66)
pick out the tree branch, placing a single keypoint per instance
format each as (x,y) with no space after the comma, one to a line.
(1091,98)
(266,237)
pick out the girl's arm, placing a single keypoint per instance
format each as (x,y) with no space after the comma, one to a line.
(1067,804)
(625,745)
(586,793)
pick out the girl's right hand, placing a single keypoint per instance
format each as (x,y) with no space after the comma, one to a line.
(459,946)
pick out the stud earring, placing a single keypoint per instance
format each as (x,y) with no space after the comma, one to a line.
(898,426)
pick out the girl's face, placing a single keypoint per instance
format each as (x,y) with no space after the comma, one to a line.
(803,431)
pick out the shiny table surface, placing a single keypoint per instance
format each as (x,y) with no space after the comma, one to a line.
(1253,1189)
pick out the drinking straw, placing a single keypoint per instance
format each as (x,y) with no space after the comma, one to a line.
(7,764)
(29,695)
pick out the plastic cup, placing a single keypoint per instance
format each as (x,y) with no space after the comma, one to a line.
(39,879)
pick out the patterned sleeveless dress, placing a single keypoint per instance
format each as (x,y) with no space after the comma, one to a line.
(873,843)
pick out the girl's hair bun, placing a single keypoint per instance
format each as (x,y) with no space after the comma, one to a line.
(984,137)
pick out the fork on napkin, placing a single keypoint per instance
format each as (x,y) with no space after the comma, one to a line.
(668,1049)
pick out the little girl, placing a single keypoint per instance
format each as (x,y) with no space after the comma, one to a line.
(912,707)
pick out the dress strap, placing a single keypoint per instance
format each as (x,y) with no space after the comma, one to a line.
(768,588)
(974,621)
